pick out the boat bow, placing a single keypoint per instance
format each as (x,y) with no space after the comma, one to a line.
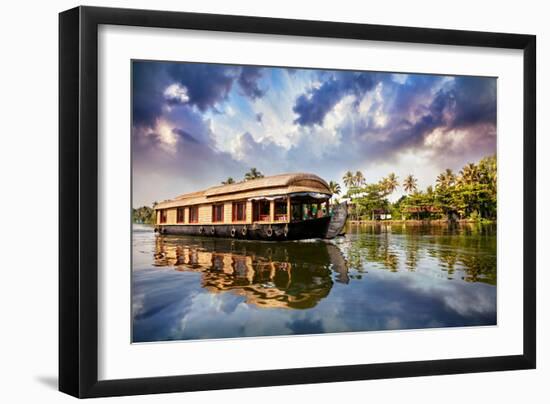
(337,221)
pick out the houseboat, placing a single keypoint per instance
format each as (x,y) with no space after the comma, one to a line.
(282,207)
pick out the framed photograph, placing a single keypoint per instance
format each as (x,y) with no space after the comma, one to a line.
(251,201)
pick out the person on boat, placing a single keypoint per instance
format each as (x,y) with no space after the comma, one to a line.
(321,212)
(313,211)
(306,212)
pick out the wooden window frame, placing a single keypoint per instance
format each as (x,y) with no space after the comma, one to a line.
(214,207)
(163,216)
(259,215)
(193,218)
(180,219)
(280,217)
(234,211)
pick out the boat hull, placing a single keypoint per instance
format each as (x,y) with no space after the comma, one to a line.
(306,229)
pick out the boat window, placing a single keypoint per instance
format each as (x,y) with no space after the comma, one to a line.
(239,211)
(193,214)
(261,211)
(180,215)
(281,210)
(309,211)
(217,213)
(163,215)
(296,212)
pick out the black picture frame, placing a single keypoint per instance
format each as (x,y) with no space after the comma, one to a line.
(78,200)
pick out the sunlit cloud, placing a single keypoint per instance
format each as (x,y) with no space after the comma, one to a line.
(176,93)
(197,124)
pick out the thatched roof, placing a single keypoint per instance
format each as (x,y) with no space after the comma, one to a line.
(282,184)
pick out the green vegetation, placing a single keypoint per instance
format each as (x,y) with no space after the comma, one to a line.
(471,195)
(253,174)
(467,247)
(250,175)
(334,187)
(144,214)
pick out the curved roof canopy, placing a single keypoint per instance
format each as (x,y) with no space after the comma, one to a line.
(282,184)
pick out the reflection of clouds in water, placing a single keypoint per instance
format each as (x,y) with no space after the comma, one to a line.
(177,304)
(383,305)
(215,315)
(469,302)
(166,297)
(463,298)
(138,304)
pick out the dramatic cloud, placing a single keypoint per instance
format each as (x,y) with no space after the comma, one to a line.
(315,104)
(149,81)
(200,85)
(248,80)
(207,85)
(461,108)
(196,124)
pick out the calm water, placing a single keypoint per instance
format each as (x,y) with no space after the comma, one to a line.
(374,278)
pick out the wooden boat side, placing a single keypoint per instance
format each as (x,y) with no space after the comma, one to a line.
(300,230)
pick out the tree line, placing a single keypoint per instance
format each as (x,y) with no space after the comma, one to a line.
(144,214)
(469,194)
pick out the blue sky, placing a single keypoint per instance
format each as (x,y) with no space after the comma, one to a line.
(194,124)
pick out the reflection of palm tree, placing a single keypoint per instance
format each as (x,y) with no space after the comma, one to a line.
(409,185)
(411,252)
(228,181)
(448,260)
(253,174)
(334,187)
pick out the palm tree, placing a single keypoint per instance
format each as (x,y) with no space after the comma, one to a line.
(409,185)
(228,181)
(359,179)
(390,183)
(253,174)
(441,181)
(487,168)
(451,177)
(334,187)
(446,179)
(469,174)
(349,179)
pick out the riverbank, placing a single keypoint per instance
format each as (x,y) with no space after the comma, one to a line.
(415,222)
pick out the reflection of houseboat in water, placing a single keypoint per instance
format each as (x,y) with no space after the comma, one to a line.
(280,207)
(283,275)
